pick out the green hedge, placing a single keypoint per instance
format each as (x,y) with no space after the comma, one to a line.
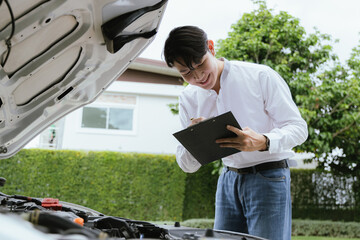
(325,228)
(136,186)
(153,187)
(322,195)
(200,193)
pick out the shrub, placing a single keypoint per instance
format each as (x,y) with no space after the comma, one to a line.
(137,186)
(325,228)
(200,192)
(152,186)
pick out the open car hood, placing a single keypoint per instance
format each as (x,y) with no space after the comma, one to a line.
(62,54)
(51,219)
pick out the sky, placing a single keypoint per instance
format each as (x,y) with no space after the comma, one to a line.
(339,18)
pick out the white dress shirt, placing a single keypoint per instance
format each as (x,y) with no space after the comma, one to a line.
(259,99)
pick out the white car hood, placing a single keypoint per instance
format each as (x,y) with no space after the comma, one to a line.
(63,54)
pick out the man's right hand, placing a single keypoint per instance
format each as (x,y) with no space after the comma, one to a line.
(196,120)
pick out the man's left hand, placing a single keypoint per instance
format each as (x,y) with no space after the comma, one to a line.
(247,140)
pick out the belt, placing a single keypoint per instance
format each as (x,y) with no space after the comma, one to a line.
(260,167)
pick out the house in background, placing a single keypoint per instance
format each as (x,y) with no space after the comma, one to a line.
(131,115)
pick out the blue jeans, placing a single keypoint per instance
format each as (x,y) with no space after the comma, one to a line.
(257,204)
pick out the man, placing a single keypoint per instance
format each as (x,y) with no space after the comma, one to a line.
(253,192)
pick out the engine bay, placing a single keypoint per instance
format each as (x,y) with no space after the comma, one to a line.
(49,218)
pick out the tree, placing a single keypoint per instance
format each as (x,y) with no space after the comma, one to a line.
(332,112)
(279,42)
(326,92)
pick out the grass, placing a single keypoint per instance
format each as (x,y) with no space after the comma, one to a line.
(207,223)
(320,238)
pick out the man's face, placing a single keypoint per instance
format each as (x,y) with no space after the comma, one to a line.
(205,73)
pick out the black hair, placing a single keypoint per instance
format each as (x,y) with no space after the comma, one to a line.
(186,43)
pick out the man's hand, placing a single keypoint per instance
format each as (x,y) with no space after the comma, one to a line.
(247,140)
(196,120)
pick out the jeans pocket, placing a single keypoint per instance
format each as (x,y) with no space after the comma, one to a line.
(274,175)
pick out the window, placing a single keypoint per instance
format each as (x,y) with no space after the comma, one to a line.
(107,118)
(110,112)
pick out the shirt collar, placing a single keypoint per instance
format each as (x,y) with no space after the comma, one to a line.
(225,71)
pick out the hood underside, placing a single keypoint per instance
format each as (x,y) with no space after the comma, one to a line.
(59,55)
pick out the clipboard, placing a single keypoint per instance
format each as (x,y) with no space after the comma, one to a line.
(199,139)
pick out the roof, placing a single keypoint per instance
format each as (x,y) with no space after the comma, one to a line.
(153,66)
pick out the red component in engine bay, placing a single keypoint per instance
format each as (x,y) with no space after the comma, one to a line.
(52,203)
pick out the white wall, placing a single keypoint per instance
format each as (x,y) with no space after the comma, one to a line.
(154,123)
